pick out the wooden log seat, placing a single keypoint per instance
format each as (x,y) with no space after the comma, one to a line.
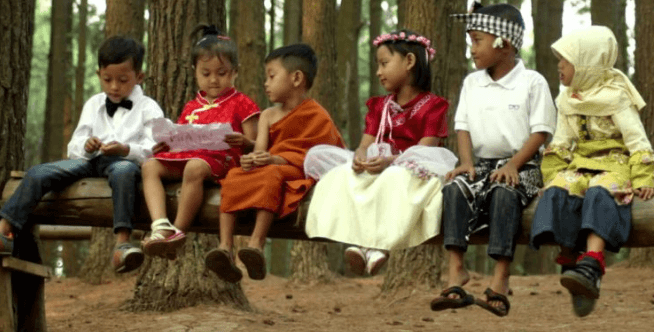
(88,202)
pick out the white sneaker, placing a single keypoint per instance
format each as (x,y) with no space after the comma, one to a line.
(375,260)
(356,260)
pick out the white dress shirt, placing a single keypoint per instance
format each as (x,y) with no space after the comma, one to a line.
(501,115)
(132,127)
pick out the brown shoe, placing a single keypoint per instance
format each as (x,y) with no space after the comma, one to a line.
(254,262)
(221,262)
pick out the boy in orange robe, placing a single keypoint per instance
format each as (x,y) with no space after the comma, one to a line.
(271,179)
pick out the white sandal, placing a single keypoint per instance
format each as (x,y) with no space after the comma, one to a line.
(159,245)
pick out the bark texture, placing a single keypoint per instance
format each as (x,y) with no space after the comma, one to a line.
(58,99)
(422,265)
(644,81)
(27,312)
(547,13)
(165,285)
(292,21)
(347,45)
(374,31)
(309,259)
(611,13)
(252,50)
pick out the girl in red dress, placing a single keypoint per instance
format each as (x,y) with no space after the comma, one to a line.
(215,61)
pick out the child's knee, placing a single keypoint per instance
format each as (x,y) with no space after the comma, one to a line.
(151,167)
(196,170)
(124,171)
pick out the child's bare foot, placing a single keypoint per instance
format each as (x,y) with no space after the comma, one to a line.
(458,277)
(454,297)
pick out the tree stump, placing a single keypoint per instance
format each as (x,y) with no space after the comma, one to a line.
(170,285)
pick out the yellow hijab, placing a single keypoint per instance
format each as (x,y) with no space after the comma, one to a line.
(599,89)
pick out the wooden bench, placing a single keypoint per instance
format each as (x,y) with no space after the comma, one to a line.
(88,202)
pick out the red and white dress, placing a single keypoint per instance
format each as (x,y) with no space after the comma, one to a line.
(231,107)
(399,208)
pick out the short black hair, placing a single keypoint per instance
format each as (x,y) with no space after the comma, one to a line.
(297,57)
(118,49)
(213,42)
(421,71)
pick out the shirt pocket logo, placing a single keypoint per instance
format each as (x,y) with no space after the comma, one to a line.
(514,107)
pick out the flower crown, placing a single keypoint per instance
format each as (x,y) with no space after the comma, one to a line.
(406,38)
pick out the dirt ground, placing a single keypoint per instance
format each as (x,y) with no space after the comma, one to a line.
(538,303)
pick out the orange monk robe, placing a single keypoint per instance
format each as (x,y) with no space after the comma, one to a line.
(280,188)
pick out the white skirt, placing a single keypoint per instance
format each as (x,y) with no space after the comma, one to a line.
(399,208)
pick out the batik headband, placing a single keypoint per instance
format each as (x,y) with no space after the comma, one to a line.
(494,25)
(407,38)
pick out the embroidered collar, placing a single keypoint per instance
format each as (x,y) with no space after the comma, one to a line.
(227,93)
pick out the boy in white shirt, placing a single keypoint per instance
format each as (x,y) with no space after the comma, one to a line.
(505,114)
(113,137)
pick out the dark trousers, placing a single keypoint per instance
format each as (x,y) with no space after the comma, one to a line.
(504,216)
(123,178)
(568,220)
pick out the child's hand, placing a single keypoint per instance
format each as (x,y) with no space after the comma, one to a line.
(462,169)
(645,193)
(507,173)
(262,158)
(114,149)
(358,163)
(92,144)
(247,161)
(236,140)
(160,147)
(378,164)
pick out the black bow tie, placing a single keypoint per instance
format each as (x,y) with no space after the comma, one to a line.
(113,107)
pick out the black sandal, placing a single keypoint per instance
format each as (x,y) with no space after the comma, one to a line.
(254,262)
(493,296)
(221,262)
(443,302)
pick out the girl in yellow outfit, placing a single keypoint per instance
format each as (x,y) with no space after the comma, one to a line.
(598,160)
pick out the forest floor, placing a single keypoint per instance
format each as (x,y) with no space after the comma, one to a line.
(539,303)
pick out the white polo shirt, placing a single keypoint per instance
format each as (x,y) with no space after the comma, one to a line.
(132,127)
(500,115)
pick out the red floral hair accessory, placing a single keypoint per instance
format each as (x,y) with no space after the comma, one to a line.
(402,36)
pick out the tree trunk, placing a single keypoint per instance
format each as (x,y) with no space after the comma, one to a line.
(252,50)
(374,31)
(233,19)
(423,264)
(292,21)
(347,46)
(16,57)
(271,13)
(169,285)
(611,13)
(644,81)
(401,14)
(309,259)
(58,100)
(80,71)
(547,13)
(123,18)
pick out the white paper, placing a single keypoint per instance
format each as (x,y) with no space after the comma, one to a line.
(191,136)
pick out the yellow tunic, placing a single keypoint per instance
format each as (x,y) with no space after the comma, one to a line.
(612,152)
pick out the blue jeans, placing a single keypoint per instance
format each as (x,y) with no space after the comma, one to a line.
(504,214)
(123,178)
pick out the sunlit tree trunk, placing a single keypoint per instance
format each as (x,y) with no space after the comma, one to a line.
(401,13)
(251,49)
(547,13)
(422,265)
